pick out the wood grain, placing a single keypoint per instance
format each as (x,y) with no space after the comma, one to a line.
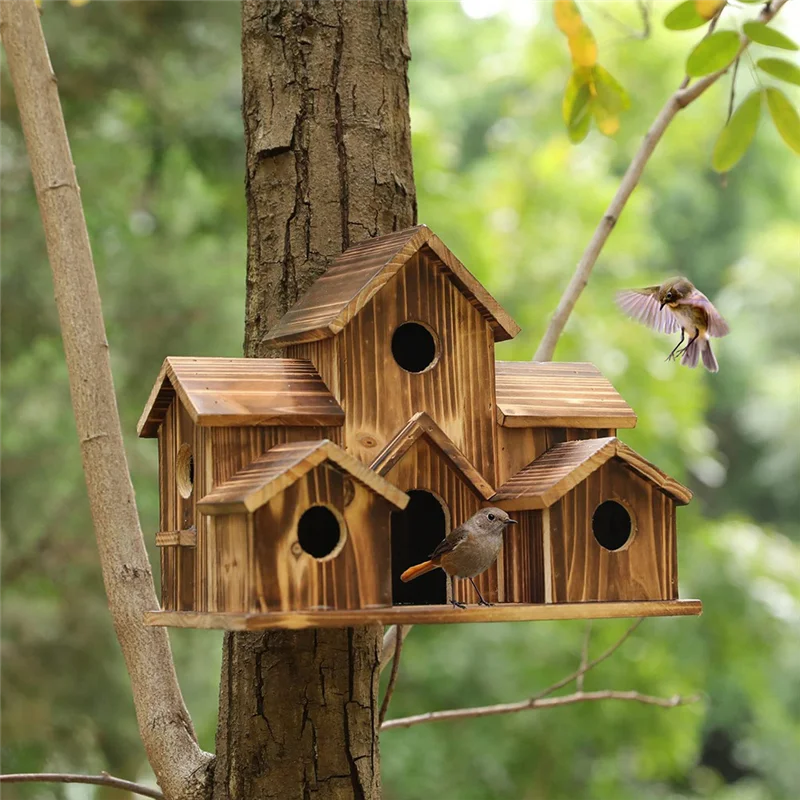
(422,425)
(241,391)
(279,468)
(176,538)
(380,396)
(568,395)
(523,560)
(564,466)
(644,569)
(426,615)
(362,271)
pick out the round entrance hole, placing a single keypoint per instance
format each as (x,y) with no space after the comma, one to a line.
(414,347)
(320,532)
(611,525)
(184,471)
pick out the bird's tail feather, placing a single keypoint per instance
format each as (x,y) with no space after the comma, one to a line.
(416,571)
(700,347)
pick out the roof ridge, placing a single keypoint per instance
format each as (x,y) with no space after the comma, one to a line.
(422,424)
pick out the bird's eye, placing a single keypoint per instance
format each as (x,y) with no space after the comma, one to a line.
(669,295)
(490,516)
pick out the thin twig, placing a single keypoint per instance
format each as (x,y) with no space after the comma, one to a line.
(535,703)
(733,90)
(387,698)
(582,670)
(104,779)
(685,95)
(389,639)
(584,656)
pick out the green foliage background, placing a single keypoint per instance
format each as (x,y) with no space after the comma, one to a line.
(151,92)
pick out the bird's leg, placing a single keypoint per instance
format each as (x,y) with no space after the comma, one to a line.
(674,353)
(689,343)
(453,600)
(481,601)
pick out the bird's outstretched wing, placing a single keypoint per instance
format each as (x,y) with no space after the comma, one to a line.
(643,305)
(716,323)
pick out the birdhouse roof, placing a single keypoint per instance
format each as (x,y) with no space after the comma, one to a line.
(569,395)
(361,271)
(421,425)
(241,391)
(547,479)
(283,465)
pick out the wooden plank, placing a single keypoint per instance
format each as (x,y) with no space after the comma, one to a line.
(177,538)
(564,466)
(422,425)
(275,471)
(241,391)
(523,560)
(570,395)
(354,279)
(380,396)
(425,615)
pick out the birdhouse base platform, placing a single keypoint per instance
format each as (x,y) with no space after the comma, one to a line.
(422,615)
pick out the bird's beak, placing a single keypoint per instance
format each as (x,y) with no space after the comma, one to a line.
(662,307)
(511,521)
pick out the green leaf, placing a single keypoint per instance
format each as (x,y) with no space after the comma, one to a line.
(712,54)
(736,136)
(611,95)
(763,34)
(578,132)
(785,117)
(781,69)
(684,17)
(577,79)
(575,105)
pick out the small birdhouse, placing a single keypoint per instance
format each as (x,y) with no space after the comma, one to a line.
(295,491)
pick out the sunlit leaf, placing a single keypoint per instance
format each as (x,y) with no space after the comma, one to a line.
(607,123)
(708,8)
(684,17)
(580,107)
(737,135)
(763,34)
(583,47)
(712,54)
(78,3)
(610,93)
(781,69)
(577,80)
(578,132)
(785,117)
(567,17)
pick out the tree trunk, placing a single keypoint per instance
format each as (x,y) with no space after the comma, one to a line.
(328,164)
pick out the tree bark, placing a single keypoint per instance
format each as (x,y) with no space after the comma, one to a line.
(181,767)
(325,105)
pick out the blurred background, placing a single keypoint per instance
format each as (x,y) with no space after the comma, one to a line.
(151,93)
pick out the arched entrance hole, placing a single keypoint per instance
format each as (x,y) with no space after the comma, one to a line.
(416,530)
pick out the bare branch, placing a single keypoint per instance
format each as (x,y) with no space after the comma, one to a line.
(685,95)
(387,698)
(536,703)
(181,767)
(583,669)
(733,90)
(104,779)
(587,636)
(389,639)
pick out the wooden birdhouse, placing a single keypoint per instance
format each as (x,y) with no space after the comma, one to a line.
(295,491)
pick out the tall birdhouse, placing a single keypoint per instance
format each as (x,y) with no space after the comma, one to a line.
(295,491)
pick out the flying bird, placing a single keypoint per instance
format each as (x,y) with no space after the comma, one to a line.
(675,306)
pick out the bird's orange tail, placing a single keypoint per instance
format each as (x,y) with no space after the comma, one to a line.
(416,571)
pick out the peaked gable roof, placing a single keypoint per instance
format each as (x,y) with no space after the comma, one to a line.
(241,391)
(283,465)
(548,478)
(422,425)
(570,395)
(361,271)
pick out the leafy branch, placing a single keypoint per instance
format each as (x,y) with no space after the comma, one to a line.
(686,94)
